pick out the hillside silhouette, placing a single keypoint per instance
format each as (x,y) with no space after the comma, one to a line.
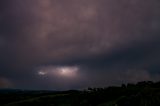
(146,93)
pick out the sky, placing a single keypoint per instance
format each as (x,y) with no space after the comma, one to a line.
(75,44)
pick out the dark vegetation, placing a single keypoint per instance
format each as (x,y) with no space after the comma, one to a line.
(141,94)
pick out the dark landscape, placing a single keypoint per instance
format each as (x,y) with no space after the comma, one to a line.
(144,93)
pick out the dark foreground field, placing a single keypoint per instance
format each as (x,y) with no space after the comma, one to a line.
(140,94)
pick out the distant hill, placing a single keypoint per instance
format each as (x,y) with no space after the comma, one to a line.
(8,90)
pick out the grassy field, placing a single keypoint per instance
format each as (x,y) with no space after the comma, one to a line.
(140,94)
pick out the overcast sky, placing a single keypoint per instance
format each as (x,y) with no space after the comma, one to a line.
(75,44)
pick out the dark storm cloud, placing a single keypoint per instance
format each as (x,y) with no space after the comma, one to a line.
(5,83)
(110,41)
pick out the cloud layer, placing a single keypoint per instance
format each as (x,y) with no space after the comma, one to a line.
(103,38)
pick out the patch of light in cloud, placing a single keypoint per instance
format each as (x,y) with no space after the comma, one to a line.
(60,71)
(67,71)
(42,73)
